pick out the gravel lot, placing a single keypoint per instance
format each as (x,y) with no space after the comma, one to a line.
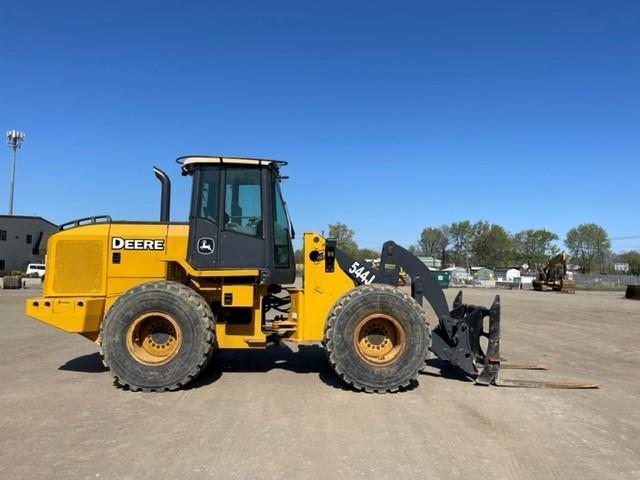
(276,414)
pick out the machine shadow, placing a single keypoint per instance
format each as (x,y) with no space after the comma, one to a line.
(90,363)
(446,370)
(308,359)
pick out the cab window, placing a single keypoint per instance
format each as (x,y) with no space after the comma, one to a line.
(280,229)
(208,201)
(243,201)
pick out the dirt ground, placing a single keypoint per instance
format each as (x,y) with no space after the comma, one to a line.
(276,414)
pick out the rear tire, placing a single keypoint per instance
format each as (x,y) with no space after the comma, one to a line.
(377,338)
(157,336)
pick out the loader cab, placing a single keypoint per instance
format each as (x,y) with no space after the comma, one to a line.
(238,217)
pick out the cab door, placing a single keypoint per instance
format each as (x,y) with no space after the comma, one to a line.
(204,220)
(242,236)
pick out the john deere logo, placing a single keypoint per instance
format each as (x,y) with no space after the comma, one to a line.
(118,243)
(206,246)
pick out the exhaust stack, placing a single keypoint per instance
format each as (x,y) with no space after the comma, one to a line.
(165,199)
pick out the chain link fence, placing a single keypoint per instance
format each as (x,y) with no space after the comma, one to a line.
(605,282)
(583,282)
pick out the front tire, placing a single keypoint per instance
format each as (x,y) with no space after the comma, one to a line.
(377,338)
(157,336)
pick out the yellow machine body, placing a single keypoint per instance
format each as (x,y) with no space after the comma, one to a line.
(89,267)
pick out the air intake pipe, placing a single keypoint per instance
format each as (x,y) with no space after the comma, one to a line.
(165,199)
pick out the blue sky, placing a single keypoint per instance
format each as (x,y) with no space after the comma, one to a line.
(393,115)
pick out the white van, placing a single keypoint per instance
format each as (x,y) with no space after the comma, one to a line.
(36,268)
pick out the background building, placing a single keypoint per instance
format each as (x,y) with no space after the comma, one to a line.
(621,267)
(432,263)
(459,276)
(23,240)
(482,273)
(507,274)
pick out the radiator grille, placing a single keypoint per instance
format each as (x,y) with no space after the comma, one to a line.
(78,267)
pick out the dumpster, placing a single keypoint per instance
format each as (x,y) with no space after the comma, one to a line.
(441,277)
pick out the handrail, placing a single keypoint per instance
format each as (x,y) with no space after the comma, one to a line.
(85,221)
(280,163)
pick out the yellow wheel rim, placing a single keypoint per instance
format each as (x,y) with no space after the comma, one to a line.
(153,338)
(379,339)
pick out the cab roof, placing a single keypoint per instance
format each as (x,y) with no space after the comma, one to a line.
(188,162)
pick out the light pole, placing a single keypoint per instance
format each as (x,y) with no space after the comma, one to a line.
(14,141)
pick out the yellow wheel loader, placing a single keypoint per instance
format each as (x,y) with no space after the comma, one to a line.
(160,297)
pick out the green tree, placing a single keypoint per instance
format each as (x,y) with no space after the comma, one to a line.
(366,254)
(492,246)
(344,235)
(534,247)
(589,246)
(446,232)
(433,242)
(461,236)
(348,245)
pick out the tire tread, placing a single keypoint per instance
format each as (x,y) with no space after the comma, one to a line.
(207,323)
(330,326)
